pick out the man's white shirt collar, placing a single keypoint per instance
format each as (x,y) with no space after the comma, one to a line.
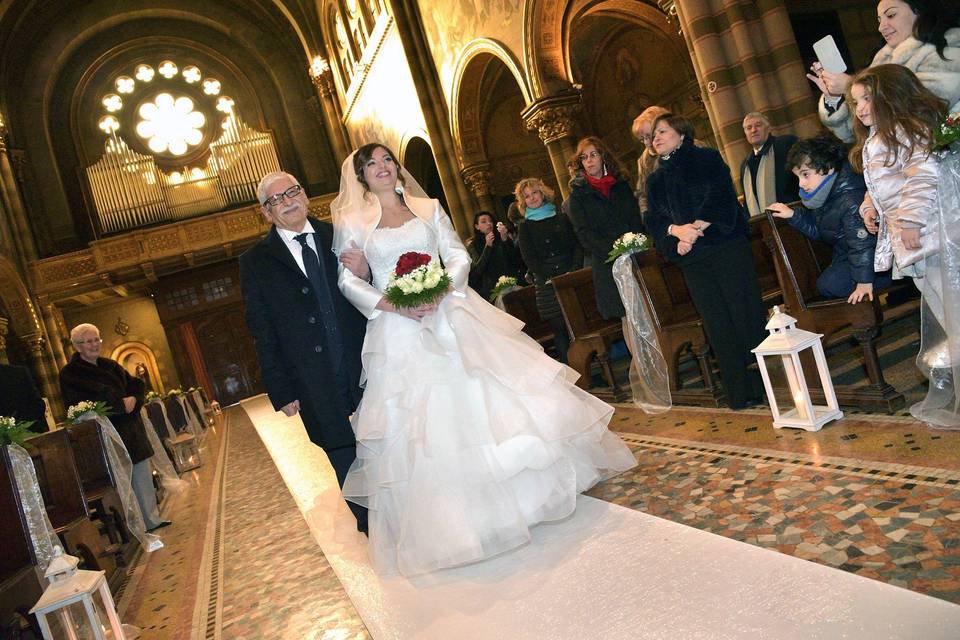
(289,236)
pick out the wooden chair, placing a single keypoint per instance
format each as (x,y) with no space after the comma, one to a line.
(99,485)
(678,326)
(590,334)
(65,502)
(522,305)
(19,586)
(799,263)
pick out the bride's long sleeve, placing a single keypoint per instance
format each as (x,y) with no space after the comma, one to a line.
(361,294)
(455,257)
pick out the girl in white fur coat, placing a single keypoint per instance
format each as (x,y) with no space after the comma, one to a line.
(895,119)
(921,35)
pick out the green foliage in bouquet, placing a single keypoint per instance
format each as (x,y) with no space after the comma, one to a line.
(13,432)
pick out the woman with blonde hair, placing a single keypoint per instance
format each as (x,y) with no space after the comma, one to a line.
(647,163)
(549,248)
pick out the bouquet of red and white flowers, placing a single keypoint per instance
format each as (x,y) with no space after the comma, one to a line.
(417,279)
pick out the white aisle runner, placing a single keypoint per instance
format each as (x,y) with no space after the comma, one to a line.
(605,573)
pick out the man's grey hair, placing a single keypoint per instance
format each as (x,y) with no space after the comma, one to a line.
(758,116)
(269,179)
(81,329)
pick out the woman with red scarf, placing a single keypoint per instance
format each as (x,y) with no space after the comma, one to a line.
(602,208)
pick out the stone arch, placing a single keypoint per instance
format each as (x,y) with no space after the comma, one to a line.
(24,318)
(469,72)
(130,353)
(417,156)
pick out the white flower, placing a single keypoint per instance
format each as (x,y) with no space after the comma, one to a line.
(7,422)
(431,281)
(628,237)
(416,287)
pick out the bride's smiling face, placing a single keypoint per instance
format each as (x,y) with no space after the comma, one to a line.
(380,171)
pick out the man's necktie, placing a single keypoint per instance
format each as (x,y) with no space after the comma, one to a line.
(317,276)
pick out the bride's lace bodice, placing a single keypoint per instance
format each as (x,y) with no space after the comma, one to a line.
(387,244)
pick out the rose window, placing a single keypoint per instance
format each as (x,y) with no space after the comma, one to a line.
(170,125)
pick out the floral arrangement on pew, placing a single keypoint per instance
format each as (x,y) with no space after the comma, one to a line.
(87,410)
(417,279)
(948,133)
(152,396)
(504,283)
(176,391)
(628,243)
(14,432)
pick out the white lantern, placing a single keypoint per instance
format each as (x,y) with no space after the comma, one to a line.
(786,341)
(186,455)
(77,604)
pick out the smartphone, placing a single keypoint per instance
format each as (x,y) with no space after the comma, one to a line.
(829,55)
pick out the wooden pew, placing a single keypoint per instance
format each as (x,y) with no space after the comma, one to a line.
(65,502)
(99,485)
(590,334)
(799,263)
(522,304)
(19,586)
(678,326)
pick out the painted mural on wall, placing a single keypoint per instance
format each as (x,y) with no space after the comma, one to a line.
(452,24)
(387,107)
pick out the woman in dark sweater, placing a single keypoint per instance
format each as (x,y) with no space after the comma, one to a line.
(549,248)
(89,377)
(492,254)
(696,221)
(602,208)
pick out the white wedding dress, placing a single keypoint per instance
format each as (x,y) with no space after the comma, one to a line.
(468,434)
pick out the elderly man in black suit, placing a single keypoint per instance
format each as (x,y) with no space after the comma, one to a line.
(763,173)
(19,397)
(308,336)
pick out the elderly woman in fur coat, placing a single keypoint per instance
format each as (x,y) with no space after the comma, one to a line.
(90,377)
(696,221)
(921,35)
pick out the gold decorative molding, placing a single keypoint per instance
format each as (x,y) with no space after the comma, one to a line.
(553,118)
(153,253)
(477,179)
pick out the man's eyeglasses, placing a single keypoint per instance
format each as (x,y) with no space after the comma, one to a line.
(586,156)
(88,341)
(277,198)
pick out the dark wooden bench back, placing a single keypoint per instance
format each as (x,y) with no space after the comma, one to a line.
(578,299)
(665,289)
(58,478)
(18,551)
(175,413)
(90,456)
(522,305)
(799,261)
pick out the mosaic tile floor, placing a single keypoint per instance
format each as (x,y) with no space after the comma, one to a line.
(873,495)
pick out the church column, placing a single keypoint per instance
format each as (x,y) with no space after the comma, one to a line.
(554,119)
(477,178)
(329,109)
(4,329)
(746,59)
(46,377)
(49,313)
(406,15)
(16,223)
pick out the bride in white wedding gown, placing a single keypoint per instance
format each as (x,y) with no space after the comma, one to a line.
(468,433)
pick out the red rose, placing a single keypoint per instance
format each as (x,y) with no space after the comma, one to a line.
(410,261)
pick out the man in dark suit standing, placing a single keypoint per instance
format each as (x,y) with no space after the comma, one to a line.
(763,173)
(308,336)
(20,399)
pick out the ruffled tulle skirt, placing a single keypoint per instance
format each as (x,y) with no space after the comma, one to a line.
(468,435)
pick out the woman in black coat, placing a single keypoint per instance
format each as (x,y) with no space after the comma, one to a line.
(831,193)
(89,377)
(549,248)
(492,254)
(602,208)
(696,221)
